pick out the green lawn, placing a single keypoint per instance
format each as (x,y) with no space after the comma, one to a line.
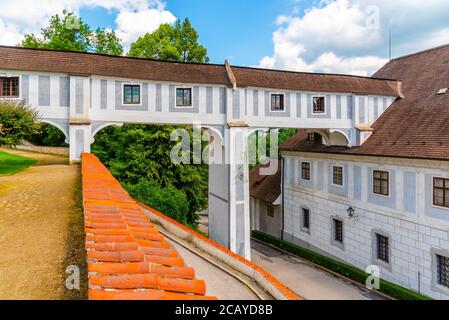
(11,163)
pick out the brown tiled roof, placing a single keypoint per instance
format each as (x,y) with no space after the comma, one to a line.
(302,81)
(128,259)
(38,60)
(413,127)
(266,188)
(12,58)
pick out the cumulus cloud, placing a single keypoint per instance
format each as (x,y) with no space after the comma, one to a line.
(134,17)
(351,36)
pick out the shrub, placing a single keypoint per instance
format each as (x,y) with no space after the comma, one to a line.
(48,136)
(17,122)
(169,201)
(343,269)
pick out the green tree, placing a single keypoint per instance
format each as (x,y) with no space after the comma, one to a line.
(48,135)
(16,123)
(169,200)
(138,152)
(70,33)
(172,43)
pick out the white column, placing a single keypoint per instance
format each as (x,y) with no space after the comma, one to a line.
(80,140)
(239,205)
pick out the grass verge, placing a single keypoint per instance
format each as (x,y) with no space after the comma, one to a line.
(345,270)
(12,164)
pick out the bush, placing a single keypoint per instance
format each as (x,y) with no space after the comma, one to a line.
(17,122)
(48,136)
(343,269)
(169,201)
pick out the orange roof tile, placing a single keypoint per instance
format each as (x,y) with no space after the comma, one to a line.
(128,259)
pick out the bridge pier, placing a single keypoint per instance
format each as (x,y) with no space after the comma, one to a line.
(229,212)
(80,136)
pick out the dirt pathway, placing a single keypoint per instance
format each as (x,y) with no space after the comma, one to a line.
(41,229)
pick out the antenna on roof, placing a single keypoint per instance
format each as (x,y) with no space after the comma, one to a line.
(389,43)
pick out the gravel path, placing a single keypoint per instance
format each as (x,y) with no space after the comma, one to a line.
(41,230)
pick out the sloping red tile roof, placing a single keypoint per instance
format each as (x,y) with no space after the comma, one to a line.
(266,188)
(128,259)
(39,60)
(415,126)
(318,82)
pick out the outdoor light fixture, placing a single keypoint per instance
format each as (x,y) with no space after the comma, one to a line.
(351,212)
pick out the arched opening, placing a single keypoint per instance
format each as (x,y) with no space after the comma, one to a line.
(140,157)
(50,134)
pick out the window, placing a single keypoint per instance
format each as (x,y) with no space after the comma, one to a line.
(183,97)
(277,102)
(319,105)
(381,183)
(337,175)
(131,94)
(383,248)
(441,192)
(305,219)
(305,171)
(270,211)
(338,230)
(9,87)
(443,270)
(313,137)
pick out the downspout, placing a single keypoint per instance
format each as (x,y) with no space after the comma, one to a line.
(282,196)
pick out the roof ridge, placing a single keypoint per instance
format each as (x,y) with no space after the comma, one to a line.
(420,52)
(111,56)
(314,73)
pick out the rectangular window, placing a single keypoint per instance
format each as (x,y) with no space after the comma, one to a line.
(383,248)
(319,105)
(441,192)
(9,87)
(183,97)
(277,102)
(131,94)
(306,219)
(305,171)
(270,211)
(381,183)
(338,230)
(337,175)
(443,270)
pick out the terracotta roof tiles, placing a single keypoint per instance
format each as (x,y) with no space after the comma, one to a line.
(78,63)
(127,256)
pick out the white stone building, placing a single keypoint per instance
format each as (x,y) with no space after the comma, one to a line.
(384,203)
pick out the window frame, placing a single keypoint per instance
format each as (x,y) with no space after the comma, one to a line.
(314,110)
(124,85)
(438,271)
(342,176)
(434,188)
(282,101)
(378,254)
(270,208)
(309,170)
(184,106)
(306,229)
(381,180)
(336,234)
(11,78)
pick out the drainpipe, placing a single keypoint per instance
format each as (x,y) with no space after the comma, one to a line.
(282,196)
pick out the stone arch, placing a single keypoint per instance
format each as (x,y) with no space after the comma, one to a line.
(62,125)
(98,126)
(338,138)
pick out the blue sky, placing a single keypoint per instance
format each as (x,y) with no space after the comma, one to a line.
(239,30)
(338,36)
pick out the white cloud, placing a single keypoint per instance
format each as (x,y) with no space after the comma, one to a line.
(351,36)
(134,18)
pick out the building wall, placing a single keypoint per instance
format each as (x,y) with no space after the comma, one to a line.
(261,221)
(54,94)
(416,228)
